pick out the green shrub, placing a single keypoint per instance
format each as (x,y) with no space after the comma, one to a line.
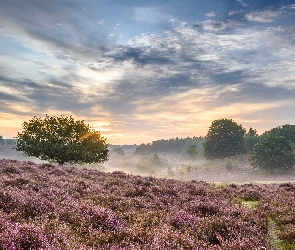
(229,164)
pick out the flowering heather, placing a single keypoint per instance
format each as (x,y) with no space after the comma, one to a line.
(43,206)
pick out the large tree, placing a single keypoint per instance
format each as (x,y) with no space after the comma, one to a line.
(287,131)
(224,138)
(61,139)
(273,152)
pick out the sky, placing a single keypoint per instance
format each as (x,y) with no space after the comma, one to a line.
(139,71)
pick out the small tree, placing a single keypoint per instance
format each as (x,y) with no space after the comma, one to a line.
(251,139)
(224,138)
(273,152)
(61,140)
(192,152)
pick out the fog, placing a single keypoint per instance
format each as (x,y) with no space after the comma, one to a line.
(174,166)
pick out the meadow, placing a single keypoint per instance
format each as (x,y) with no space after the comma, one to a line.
(44,206)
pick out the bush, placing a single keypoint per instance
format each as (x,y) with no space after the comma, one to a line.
(229,164)
(273,152)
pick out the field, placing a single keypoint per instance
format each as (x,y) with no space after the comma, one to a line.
(218,171)
(43,206)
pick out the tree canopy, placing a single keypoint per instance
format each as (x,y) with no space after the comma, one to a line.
(273,152)
(251,138)
(61,139)
(224,139)
(287,131)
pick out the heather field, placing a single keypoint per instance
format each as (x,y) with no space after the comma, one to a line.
(43,206)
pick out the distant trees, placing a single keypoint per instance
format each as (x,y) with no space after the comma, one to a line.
(61,139)
(225,138)
(273,152)
(170,146)
(119,151)
(150,164)
(192,152)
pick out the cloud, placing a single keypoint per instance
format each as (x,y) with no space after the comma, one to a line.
(210,14)
(150,15)
(187,74)
(101,21)
(242,3)
(211,25)
(265,16)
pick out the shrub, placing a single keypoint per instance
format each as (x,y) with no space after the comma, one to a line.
(229,164)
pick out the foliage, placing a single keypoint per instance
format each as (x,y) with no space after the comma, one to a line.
(192,152)
(229,164)
(147,164)
(119,151)
(251,138)
(224,139)
(171,146)
(273,152)
(61,140)
(287,131)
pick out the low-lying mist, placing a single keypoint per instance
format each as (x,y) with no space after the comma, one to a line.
(176,166)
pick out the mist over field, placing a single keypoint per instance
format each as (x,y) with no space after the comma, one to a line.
(236,169)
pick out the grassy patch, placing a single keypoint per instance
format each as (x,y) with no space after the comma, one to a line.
(250,204)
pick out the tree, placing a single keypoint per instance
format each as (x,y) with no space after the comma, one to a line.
(224,139)
(192,152)
(273,152)
(251,139)
(61,139)
(287,131)
(119,151)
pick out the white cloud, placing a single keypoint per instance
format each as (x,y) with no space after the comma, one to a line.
(211,25)
(242,3)
(265,16)
(101,21)
(150,15)
(210,14)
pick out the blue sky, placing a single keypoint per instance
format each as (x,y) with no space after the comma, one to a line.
(139,71)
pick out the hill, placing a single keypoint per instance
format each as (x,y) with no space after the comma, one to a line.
(53,207)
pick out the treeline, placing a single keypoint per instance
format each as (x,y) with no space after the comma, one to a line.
(170,146)
(7,142)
